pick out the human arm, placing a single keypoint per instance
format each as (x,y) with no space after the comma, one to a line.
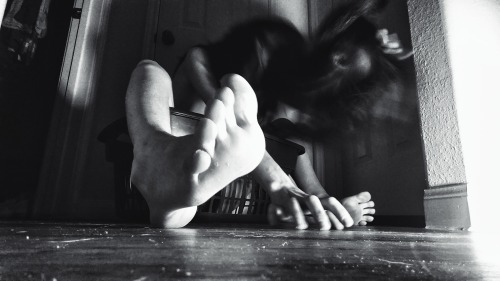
(200,74)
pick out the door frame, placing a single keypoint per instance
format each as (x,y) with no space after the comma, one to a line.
(69,134)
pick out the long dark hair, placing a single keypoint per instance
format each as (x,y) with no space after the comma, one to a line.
(343,78)
(340,77)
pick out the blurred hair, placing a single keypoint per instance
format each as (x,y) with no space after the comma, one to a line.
(340,77)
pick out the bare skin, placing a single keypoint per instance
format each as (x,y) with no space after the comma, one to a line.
(325,211)
(195,86)
(360,207)
(176,174)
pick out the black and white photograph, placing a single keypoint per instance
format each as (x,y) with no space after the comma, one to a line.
(249,139)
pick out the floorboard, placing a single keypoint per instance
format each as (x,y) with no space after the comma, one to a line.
(70,251)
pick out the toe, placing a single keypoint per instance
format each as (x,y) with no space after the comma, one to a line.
(245,105)
(216,112)
(368,211)
(362,223)
(369,204)
(201,162)
(205,135)
(368,218)
(226,95)
(296,212)
(364,196)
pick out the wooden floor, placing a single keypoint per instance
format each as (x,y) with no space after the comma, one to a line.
(56,251)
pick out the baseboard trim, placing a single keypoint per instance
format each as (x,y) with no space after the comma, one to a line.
(446,207)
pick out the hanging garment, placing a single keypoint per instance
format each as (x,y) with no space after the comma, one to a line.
(28,21)
(29,16)
(9,20)
(41,22)
(28,13)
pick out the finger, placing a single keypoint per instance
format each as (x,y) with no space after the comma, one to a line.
(272,214)
(335,221)
(295,211)
(338,210)
(282,216)
(318,212)
(362,223)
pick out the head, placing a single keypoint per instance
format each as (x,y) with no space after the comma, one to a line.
(247,47)
(339,80)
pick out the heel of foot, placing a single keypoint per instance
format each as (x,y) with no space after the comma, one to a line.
(171,219)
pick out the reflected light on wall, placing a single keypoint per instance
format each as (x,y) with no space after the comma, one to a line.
(473,33)
(3,4)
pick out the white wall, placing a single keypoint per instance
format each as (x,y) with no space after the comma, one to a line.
(3,4)
(473,35)
(436,98)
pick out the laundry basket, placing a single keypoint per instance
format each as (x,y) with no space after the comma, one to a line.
(242,200)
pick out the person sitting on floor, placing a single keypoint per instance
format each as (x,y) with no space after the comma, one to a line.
(177,174)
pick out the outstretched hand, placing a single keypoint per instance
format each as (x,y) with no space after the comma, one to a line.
(288,203)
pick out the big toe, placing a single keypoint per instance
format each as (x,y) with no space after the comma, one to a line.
(364,196)
(245,104)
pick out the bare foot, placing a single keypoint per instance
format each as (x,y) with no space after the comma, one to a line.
(176,174)
(360,208)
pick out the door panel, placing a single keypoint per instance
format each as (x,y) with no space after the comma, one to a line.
(198,22)
(386,159)
(295,11)
(185,21)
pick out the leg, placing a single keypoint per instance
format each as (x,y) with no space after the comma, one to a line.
(175,174)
